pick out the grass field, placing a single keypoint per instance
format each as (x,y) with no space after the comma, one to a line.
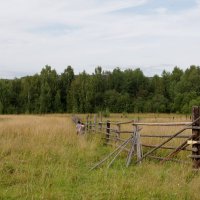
(41,157)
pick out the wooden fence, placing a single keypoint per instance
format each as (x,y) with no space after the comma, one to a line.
(128,136)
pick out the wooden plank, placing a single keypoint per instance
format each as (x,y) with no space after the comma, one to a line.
(125,131)
(164,136)
(166,141)
(194,127)
(127,122)
(132,149)
(191,142)
(194,156)
(121,149)
(112,153)
(164,124)
(177,150)
(107,131)
(118,130)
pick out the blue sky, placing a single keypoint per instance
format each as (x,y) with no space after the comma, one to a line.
(153,6)
(151,34)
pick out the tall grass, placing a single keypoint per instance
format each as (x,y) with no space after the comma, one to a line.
(41,157)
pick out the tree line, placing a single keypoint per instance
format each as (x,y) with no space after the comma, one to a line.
(117,91)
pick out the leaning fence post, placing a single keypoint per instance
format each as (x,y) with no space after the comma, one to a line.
(196,137)
(107,131)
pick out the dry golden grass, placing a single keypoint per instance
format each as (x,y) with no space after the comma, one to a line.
(41,157)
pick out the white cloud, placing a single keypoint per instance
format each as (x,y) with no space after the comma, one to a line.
(88,33)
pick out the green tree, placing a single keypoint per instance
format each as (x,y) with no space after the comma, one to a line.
(49,87)
(66,79)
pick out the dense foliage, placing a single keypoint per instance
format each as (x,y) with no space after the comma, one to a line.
(116,91)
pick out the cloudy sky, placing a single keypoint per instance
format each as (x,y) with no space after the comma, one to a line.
(151,34)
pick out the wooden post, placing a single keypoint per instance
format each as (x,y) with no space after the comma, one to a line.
(118,131)
(196,137)
(138,144)
(107,131)
(87,123)
(95,122)
(100,126)
(132,149)
(90,126)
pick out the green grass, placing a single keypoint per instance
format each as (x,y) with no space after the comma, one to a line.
(42,158)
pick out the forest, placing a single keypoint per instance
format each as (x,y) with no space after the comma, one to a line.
(119,91)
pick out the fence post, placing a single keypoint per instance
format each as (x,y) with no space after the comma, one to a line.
(196,137)
(118,131)
(100,126)
(138,144)
(107,131)
(95,122)
(87,123)
(90,122)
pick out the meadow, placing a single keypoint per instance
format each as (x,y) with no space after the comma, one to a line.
(41,157)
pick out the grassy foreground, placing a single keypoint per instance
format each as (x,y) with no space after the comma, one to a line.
(41,157)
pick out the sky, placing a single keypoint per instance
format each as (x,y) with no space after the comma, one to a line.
(153,35)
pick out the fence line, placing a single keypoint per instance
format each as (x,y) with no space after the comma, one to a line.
(111,132)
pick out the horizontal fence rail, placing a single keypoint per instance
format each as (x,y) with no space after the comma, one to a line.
(116,133)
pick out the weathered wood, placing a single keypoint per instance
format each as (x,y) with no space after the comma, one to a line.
(95,122)
(132,149)
(112,153)
(192,142)
(193,127)
(120,150)
(166,141)
(194,149)
(128,122)
(196,136)
(90,122)
(100,126)
(138,144)
(194,156)
(185,144)
(118,131)
(176,151)
(126,132)
(87,122)
(164,124)
(114,135)
(164,136)
(107,131)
